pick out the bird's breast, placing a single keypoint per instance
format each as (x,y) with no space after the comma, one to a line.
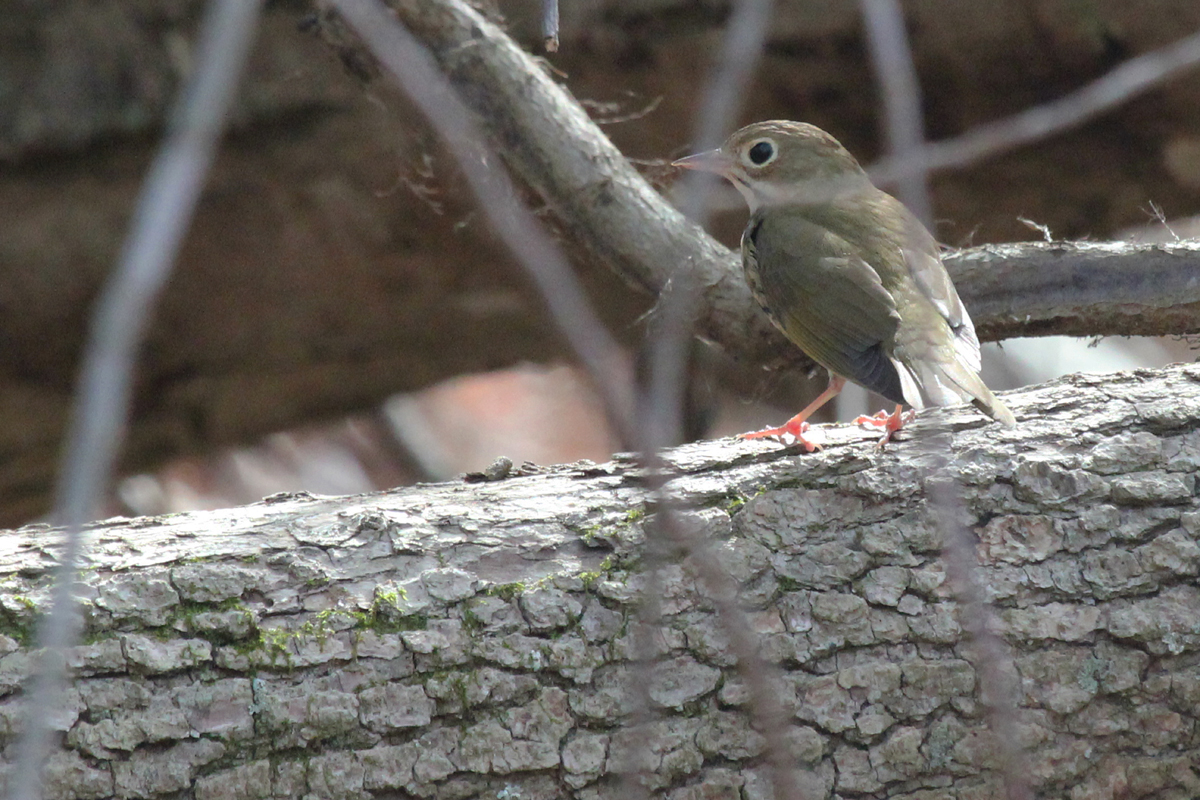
(750,266)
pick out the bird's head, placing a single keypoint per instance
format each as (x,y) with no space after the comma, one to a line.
(782,163)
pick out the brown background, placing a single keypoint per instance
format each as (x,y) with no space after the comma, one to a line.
(334,260)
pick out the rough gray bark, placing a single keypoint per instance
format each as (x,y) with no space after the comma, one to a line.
(1079,288)
(472,639)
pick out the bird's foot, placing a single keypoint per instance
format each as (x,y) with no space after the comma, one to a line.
(878,420)
(889,422)
(791,428)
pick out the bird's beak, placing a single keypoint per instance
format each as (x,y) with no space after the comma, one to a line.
(710,161)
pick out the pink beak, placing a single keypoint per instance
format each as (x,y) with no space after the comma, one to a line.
(711,161)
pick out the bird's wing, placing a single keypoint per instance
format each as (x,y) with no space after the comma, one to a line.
(826,298)
(936,369)
(923,259)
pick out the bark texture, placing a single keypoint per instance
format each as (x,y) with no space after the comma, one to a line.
(473,638)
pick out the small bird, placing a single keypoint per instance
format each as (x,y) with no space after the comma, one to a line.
(848,274)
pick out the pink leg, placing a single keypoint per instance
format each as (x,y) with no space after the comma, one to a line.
(889,422)
(797,425)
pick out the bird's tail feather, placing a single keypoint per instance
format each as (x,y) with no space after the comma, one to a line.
(941,384)
(991,405)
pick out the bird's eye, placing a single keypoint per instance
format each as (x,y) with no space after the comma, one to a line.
(761,152)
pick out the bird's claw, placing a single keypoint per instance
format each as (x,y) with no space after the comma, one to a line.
(890,422)
(796,431)
(879,420)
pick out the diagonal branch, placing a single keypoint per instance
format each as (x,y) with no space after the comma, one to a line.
(548,139)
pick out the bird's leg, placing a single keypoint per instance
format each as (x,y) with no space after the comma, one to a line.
(889,422)
(797,425)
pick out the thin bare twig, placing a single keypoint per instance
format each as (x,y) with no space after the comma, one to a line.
(741,49)
(670,326)
(122,314)
(618,119)
(400,54)
(679,304)
(550,25)
(896,73)
(897,76)
(669,336)
(680,296)
(1122,84)
(646,652)
(992,659)
(410,66)
(761,680)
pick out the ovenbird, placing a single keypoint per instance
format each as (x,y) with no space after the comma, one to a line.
(848,274)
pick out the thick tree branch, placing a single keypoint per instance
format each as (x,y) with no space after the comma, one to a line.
(547,138)
(471,639)
(1080,288)
(550,141)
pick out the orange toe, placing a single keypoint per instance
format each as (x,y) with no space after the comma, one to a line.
(796,431)
(890,422)
(878,420)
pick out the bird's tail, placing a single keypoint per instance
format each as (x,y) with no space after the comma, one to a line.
(943,383)
(989,404)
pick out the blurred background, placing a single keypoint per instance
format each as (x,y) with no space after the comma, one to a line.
(341,320)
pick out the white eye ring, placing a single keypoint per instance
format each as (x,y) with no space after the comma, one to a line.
(759,153)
